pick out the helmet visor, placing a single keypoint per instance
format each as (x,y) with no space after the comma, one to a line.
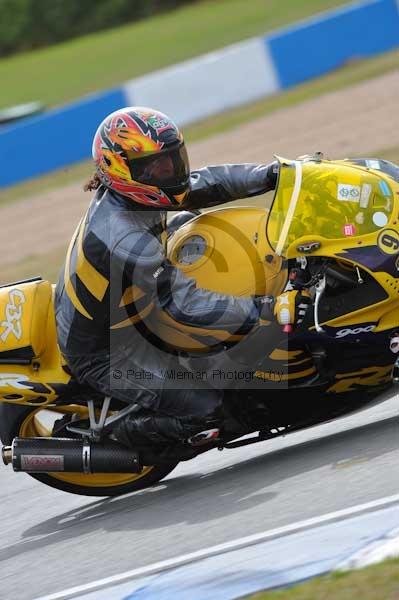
(166,169)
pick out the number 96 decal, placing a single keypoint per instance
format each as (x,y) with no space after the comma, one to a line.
(388,241)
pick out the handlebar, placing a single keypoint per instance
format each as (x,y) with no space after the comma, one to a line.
(320,289)
(296,280)
(300,278)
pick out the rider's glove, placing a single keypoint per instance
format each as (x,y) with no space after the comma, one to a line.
(265,305)
(291,306)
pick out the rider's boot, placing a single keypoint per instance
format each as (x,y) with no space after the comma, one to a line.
(160,429)
(164,439)
(204,437)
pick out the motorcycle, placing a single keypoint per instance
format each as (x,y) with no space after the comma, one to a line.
(332,229)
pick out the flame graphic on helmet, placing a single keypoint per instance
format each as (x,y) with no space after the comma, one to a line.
(119,134)
(126,133)
(122,132)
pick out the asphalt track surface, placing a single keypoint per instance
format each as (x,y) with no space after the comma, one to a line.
(51,541)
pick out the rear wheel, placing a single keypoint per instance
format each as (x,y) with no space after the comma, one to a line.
(25,421)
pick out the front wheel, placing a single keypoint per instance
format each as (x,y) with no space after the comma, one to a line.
(26,421)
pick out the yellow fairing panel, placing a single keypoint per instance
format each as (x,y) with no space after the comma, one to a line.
(23,310)
(38,382)
(225,251)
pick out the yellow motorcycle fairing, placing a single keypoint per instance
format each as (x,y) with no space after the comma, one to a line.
(32,370)
(230,250)
(343,211)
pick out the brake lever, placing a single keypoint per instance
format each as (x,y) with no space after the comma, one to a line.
(320,289)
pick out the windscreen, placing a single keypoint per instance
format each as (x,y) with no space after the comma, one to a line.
(328,200)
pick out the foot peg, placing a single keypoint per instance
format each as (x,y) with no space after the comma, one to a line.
(204,437)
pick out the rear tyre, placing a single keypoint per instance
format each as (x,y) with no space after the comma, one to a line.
(22,421)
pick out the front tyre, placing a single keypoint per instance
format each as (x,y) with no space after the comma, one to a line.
(26,421)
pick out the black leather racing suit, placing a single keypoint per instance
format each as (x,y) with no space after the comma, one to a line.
(115,273)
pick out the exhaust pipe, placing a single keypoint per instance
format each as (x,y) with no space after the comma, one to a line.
(6,454)
(46,455)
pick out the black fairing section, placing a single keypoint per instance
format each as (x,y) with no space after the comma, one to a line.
(351,299)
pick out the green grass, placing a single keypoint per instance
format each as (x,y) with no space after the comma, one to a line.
(378,582)
(67,71)
(350,74)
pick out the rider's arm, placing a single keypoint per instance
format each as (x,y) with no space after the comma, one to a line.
(223,183)
(139,256)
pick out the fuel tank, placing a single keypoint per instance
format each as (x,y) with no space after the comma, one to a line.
(226,251)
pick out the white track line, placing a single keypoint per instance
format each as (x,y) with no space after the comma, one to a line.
(372,554)
(220,548)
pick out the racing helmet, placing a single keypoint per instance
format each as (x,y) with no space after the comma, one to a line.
(140,154)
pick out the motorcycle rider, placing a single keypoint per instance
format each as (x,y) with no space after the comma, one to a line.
(116,271)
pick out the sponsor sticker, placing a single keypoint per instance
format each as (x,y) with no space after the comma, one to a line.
(384,187)
(157,122)
(355,331)
(39,462)
(13,315)
(365,195)
(157,273)
(380,219)
(388,241)
(373,164)
(14,380)
(360,218)
(348,193)
(349,229)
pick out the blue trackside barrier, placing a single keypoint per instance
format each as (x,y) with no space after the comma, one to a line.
(206,85)
(60,137)
(324,43)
